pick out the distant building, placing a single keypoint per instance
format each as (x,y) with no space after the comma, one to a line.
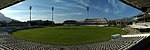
(47,23)
(70,23)
(58,24)
(112,23)
(17,23)
(40,23)
(95,22)
(35,22)
(120,22)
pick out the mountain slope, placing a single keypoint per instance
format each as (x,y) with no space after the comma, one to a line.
(4,18)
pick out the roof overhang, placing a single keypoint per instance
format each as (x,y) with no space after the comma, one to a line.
(143,5)
(7,3)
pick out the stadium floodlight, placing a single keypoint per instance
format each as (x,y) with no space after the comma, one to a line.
(52,16)
(30,12)
(30,8)
(87,12)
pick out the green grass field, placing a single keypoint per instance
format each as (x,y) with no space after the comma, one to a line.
(73,35)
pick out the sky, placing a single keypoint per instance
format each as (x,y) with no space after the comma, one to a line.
(69,10)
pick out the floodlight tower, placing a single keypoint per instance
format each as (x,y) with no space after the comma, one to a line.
(52,16)
(87,12)
(30,8)
(30,12)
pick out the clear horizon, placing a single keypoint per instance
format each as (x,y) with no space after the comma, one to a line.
(69,10)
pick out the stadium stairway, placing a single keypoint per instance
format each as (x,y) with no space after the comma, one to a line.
(143,45)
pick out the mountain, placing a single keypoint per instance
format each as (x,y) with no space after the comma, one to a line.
(4,18)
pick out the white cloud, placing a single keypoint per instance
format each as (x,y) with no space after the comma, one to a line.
(74,5)
(59,1)
(106,10)
(96,7)
(19,11)
(48,17)
(77,3)
(82,2)
(118,7)
(114,3)
(79,6)
(64,8)
(68,14)
(12,11)
(58,15)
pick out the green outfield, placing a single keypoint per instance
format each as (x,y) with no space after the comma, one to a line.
(68,35)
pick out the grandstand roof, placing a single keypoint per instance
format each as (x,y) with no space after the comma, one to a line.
(143,5)
(7,3)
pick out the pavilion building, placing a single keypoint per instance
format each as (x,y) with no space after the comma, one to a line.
(95,22)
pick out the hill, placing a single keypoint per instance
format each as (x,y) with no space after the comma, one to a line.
(4,18)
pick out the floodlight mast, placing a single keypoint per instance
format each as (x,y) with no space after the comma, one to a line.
(30,12)
(30,8)
(52,16)
(87,12)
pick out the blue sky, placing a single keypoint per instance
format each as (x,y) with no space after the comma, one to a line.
(69,10)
